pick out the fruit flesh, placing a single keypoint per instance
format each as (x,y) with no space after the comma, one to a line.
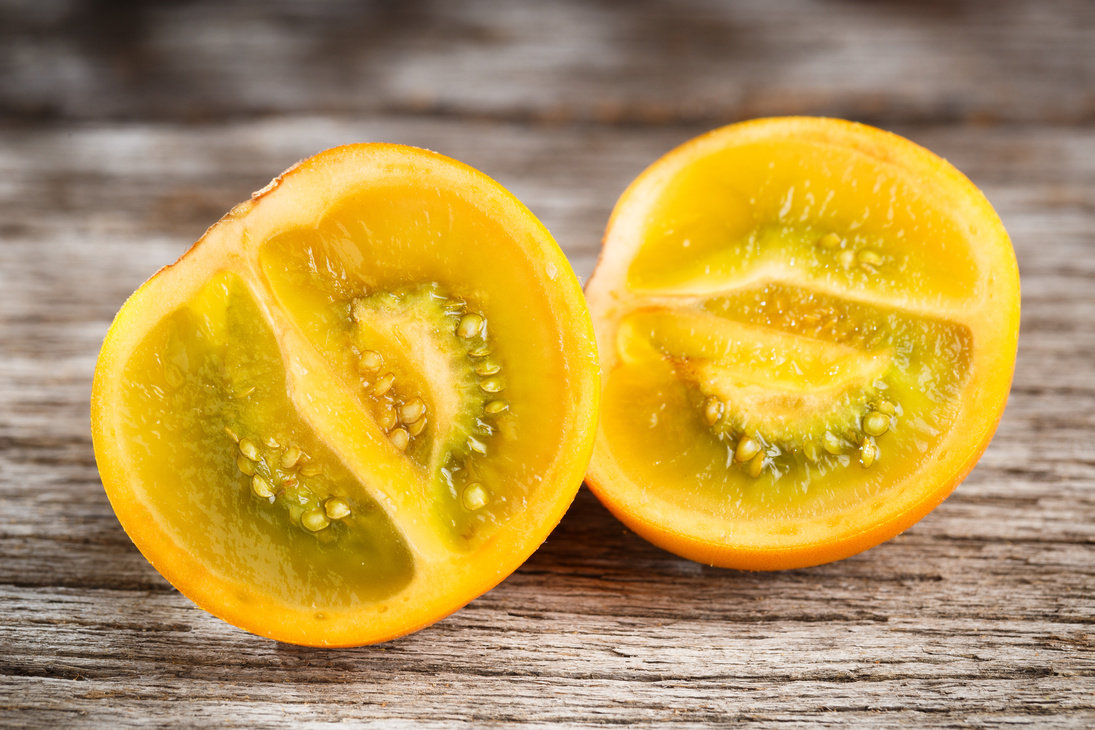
(797,319)
(215,357)
(786,383)
(317,278)
(359,402)
(768,204)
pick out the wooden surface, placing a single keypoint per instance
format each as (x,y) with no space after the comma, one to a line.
(125,130)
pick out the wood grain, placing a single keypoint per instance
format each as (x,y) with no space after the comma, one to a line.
(634,62)
(980,614)
(126,129)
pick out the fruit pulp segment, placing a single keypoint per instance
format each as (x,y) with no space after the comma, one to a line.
(829,213)
(748,354)
(778,402)
(439,333)
(239,481)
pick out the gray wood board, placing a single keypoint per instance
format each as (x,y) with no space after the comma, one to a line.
(981,614)
(644,61)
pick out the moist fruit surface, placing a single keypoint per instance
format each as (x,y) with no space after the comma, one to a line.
(360,401)
(807,330)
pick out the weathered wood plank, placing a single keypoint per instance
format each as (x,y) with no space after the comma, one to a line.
(608,61)
(918,625)
(981,614)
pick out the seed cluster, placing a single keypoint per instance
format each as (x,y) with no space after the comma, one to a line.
(880,416)
(472,330)
(401,416)
(865,258)
(856,428)
(401,410)
(755,453)
(285,473)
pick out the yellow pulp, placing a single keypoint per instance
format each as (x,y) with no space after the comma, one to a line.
(210,380)
(214,364)
(790,281)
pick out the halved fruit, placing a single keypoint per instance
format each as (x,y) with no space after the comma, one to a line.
(362,399)
(807,331)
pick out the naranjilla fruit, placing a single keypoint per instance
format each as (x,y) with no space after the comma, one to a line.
(362,399)
(807,330)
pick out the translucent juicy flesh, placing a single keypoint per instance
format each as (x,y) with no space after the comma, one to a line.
(415,332)
(790,366)
(215,365)
(730,335)
(769,203)
(411,267)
